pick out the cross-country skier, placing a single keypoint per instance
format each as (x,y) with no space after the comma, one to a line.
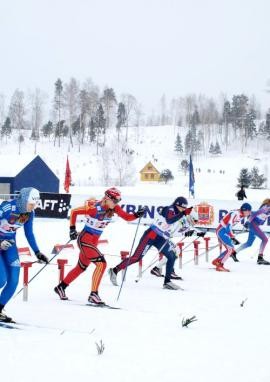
(186,229)
(13,215)
(98,215)
(158,235)
(256,219)
(226,236)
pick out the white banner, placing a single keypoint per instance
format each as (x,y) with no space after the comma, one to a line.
(209,211)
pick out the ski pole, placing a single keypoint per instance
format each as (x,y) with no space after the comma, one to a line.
(57,253)
(125,272)
(153,262)
(156,258)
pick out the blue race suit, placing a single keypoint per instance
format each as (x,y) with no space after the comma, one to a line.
(10,220)
(158,235)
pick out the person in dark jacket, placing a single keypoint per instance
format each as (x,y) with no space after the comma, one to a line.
(241,194)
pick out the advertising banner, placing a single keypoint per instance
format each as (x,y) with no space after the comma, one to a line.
(209,211)
(52,205)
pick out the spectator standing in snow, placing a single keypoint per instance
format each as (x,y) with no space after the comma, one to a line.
(13,215)
(256,219)
(241,194)
(158,235)
(98,215)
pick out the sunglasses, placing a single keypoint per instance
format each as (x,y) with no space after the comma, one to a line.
(115,200)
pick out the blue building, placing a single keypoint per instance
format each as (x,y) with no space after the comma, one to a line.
(35,174)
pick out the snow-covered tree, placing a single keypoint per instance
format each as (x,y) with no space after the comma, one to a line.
(257,180)
(166,175)
(178,147)
(244,178)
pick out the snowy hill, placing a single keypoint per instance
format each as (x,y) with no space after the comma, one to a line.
(215,176)
(145,340)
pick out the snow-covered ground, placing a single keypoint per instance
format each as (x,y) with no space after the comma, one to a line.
(145,340)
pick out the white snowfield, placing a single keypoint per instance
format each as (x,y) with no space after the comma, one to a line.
(145,340)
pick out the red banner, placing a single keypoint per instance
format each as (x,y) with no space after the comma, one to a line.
(67,182)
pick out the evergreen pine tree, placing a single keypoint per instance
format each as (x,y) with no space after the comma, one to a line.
(250,126)
(267,126)
(212,149)
(121,118)
(47,129)
(92,130)
(217,149)
(178,144)
(257,180)
(100,124)
(6,128)
(244,178)
(188,142)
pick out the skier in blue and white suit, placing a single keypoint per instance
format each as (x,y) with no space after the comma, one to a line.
(158,235)
(13,215)
(253,224)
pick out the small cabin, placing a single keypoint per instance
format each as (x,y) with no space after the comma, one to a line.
(149,173)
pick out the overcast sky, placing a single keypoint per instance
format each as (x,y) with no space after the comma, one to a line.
(142,47)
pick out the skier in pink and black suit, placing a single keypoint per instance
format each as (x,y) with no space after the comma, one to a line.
(226,236)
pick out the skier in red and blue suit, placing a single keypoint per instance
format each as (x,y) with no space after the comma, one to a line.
(13,215)
(256,219)
(225,234)
(158,235)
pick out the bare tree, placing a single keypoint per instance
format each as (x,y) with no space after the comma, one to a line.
(122,159)
(16,113)
(58,105)
(130,103)
(138,111)
(71,102)
(109,104)
(37,100)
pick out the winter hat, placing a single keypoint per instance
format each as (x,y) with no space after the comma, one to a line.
(246,207)
(180,202)
(27,195)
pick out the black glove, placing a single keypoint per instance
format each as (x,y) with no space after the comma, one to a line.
(73,234)
(189,233)
(235,241)
(139,213)
(42,258)
(201,234)
(246,225)
(188,211)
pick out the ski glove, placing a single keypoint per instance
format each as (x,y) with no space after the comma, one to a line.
(201,234)
(235,241)
(139,213)
(42,258)
(246,225)
(6,244)
(189,233)
(73,234)
(187,211)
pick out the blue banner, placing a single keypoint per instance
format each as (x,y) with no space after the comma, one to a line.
(191,178)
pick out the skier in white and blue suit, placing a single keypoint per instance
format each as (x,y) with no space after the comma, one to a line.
(13,215)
